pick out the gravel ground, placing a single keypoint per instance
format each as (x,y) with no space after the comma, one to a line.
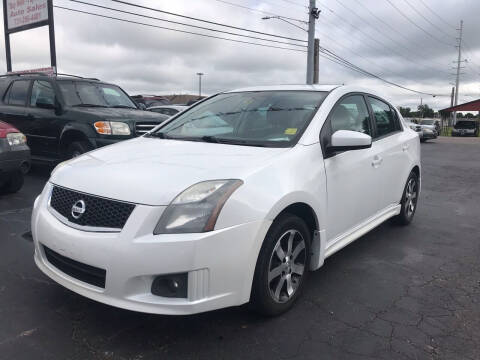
(397,293)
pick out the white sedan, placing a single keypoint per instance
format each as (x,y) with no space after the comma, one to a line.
(233,201)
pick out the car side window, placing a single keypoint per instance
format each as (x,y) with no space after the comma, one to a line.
(18,92)
(384,117)
(351,113)
(42,92)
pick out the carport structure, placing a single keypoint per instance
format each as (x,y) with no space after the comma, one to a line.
(468,106)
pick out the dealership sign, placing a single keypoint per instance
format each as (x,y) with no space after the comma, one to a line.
(26,13)
(21,15)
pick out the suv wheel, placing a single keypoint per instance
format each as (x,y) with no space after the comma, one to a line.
(282,266)
(409,200)
(78,148)
(13,184)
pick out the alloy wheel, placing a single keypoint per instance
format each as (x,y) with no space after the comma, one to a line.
(286,266)
(411,194)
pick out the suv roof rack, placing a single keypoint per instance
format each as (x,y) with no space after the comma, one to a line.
(25,74)
(46,74)
(78,77)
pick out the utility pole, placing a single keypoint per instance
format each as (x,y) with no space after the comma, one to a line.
(316,51)
(313,14)
(200,83)
(459,61)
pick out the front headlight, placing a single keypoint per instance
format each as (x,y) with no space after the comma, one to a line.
(197,208)
(16,139)
(112,128)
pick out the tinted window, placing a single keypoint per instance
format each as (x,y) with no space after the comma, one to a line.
(17,94)
(84,93)
(465,125)
(384,117)
(42,92)
(351,114)
(262,118)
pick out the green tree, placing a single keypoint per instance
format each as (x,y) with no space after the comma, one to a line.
(425,111)
(405,111)
(469,115)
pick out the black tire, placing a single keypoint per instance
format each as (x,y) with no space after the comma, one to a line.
(263,297)
(78,148)
(13,184)
(406,214)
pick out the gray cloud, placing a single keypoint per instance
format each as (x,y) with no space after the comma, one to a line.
(144,59)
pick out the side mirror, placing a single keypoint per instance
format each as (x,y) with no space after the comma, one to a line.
(142,106)
(343,140)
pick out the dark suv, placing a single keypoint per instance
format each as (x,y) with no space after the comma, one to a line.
(65,116)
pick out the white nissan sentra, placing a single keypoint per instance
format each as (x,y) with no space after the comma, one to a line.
(232,201)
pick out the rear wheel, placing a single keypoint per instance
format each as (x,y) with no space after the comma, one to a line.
(13,184)
(282,266)
(409,200)
(78,148)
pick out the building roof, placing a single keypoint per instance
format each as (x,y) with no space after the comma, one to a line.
(469,106)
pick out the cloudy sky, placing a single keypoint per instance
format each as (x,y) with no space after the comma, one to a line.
(403,41)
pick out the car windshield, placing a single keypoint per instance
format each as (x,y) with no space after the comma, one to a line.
(427,122)
(265,118)
(465,125)
(84,93)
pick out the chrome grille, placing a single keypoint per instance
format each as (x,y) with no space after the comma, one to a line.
(144,127)
(99,213)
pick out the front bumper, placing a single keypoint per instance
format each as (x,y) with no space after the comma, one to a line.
(463,132)
(13,158)
(429,135)
(220,264)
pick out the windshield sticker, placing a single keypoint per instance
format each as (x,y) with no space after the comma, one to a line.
(290,131)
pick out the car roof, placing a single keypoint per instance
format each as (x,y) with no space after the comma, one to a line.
(297,87)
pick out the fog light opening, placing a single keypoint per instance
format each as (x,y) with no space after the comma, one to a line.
(172,286)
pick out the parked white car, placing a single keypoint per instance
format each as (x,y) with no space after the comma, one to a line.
(169,110)
(235,200)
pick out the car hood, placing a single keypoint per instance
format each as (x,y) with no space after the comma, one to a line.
(120,114)
(153,171)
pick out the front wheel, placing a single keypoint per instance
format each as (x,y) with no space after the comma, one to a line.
(13,184)
(78,148)
(409,200)
(282,266)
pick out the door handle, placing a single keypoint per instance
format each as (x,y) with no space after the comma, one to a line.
(405,147)
(377,161)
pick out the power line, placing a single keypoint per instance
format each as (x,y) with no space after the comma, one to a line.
(176,30)
(416,25)
(438,16)
(331,55)
(427,20)
(375,27)
(183,24)
(202,20)
(258,10)
(382,44)
(295,3)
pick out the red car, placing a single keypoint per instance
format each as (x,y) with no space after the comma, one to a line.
(14,158)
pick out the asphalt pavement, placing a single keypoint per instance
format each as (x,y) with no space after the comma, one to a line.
(397,293)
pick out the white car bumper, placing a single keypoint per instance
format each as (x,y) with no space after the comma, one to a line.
(220,264)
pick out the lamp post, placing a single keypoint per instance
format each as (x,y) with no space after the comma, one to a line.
(200,83)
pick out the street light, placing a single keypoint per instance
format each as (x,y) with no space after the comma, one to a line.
(200,83)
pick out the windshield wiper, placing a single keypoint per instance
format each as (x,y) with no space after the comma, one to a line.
(89,105)
(158,134)
(122,107)
(210,139)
